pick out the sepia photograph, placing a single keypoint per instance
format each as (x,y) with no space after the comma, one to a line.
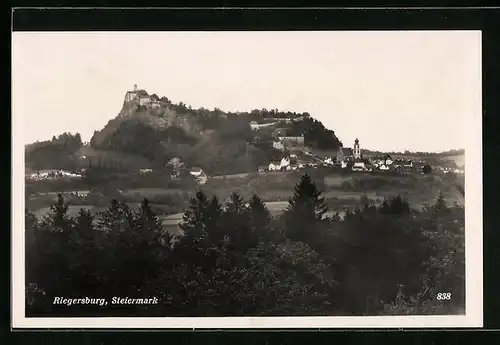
(296,179)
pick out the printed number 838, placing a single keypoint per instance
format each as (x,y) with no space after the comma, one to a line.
(443,296)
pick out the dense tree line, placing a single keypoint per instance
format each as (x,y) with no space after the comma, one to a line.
(315,134)
(448,153)
(236,259)
(58,153)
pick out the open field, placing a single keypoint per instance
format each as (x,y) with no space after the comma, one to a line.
(275,189)
(149,192)
(459,160)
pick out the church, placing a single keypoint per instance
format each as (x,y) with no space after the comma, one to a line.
(347,154)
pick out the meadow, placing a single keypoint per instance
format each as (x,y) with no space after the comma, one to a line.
(341,192)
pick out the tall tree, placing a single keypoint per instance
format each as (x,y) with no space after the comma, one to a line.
(306,210)
(150,250)
(117,227)
(192,219)
(399,205)
(236,223)
(86,259)
(52,273)
(260,219)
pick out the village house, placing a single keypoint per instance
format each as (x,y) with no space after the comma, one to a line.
(290,141)
(262,168)
(381,160)
(328,161)
(278,145)
(344,154)
(196,172)
(82,193)
(403,163)
(256,126)
(199,175)
(285,164)
(281,119)
(274,166)
(359,166)
(176,163)
(145,170)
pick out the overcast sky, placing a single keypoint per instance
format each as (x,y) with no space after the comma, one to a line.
(392,90)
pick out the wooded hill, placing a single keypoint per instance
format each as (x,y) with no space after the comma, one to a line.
(140,137)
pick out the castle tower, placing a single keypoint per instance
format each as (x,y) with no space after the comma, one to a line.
(356,150)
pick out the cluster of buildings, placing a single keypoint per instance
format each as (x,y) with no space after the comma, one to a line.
(199,175)
(349,158)
(282,143)
(142,98)
(52,174)
(287,163)
(447,170)
(352,158)
(177,167)
(274,120)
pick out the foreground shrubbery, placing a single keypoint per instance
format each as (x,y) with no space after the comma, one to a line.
(236,259)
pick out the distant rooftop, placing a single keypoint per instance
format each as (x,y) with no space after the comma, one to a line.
(347,151)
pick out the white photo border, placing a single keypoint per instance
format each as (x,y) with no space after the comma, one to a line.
(473,257)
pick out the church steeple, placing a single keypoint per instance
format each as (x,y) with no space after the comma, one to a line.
(356,150)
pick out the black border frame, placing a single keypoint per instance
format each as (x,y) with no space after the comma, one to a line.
(487,20)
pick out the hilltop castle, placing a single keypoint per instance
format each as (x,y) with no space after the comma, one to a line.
(141,97)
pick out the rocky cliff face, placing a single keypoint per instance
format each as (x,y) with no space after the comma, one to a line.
(158,118)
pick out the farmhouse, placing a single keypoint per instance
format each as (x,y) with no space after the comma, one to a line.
(381,160)
(403,163)
(175,163)
(256,126)
(278,145)
(196,172)
(359,166)
(328,161)
(288,141)
(285,163)
(274,166)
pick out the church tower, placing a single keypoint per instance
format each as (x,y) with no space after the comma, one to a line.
(356,150)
